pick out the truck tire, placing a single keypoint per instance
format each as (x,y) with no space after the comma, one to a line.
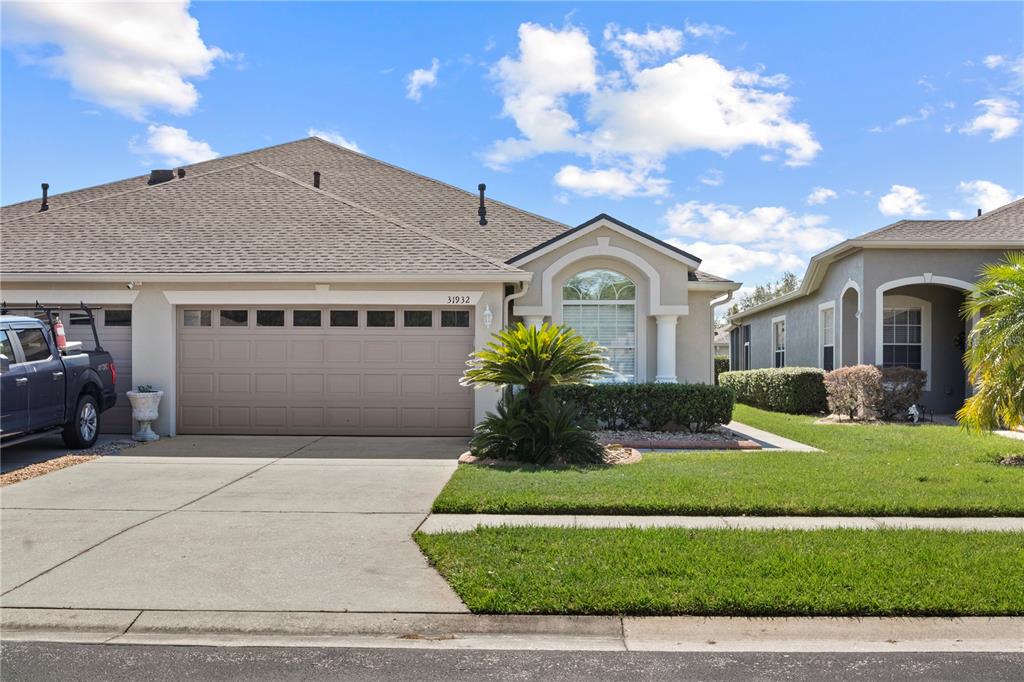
(84,427)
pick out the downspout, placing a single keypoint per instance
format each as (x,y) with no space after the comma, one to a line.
(511,297)
(715,302)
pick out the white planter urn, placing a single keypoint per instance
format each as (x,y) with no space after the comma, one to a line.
(145,409)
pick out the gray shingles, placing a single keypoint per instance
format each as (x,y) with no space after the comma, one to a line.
(1002,224)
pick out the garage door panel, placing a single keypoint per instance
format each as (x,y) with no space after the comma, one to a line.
(324,380)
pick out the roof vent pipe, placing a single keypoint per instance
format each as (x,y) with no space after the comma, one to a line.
(181,173)
(45,205)
(316,179)
(979,212)
(482,211)
(160,175)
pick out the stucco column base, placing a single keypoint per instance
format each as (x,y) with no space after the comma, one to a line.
(666,349)
(533,320)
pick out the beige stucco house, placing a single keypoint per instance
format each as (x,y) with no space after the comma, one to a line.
(309,289)
(890,297)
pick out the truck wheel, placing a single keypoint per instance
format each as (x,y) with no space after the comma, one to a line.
(84,427)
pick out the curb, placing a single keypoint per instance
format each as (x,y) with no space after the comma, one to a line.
(553,633)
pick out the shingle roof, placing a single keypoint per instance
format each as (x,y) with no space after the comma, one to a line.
(412,199)
(238,219)
(1005,223)
(701,276)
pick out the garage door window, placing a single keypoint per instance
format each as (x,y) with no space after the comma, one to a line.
(306,318)
(269,318)
(117,318)
(198,318)
(344,318)
(380,318)
(419,318)
(234,318)
(454,318)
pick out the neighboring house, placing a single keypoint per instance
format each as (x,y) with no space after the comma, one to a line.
(307,288)
(890,297)
(720,344)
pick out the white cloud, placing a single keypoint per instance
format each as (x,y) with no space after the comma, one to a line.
(712,177)
(1001,118)
(634,48)
(335,137)
(994,60)
(819,195)
(421,78)
(985,194)
(768,226)
(922,114)
(953,214)
(902,200)
(727,260)
(616,183)
(706,30)
(637,117)
(173,146)
(130,57)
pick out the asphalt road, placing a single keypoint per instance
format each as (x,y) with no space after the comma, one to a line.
(113,663)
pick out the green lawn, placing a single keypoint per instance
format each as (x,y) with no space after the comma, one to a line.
(880,470)
(732,572)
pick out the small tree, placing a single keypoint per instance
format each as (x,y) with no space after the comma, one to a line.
(995,347)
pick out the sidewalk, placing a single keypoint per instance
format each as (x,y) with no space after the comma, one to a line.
(551,633)
(460,523)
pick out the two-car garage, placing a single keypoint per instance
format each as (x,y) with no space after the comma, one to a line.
(323,370)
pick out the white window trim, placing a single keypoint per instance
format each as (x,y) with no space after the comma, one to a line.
(822,307)
(785,340)
(900,301)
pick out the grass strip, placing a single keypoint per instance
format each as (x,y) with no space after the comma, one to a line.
(669,571)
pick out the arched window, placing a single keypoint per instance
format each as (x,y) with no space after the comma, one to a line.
(601,306)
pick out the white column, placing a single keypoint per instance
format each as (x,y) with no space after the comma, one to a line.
(666,349)
(533,320)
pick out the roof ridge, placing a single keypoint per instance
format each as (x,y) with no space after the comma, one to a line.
(124,192)
(436,181)
(393,221)
(1000,209)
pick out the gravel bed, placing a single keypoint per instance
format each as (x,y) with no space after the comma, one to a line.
(40,468)
(718,434)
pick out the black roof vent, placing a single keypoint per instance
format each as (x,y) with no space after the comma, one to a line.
(482,211)
(979,212)
(181,173)
(160,175)
(45,205)
(316,179)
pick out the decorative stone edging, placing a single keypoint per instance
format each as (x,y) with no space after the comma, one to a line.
(689,444)
(633,457)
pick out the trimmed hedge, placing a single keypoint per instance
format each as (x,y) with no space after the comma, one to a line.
(693,407)
(797,390)
(721,365)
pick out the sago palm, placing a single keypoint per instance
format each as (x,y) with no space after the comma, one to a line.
(536,358)
(995,349)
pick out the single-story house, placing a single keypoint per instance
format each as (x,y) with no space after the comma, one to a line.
(890,297)
(721,342)
(305,288)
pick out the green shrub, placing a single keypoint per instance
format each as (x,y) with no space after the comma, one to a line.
(901,388)
(536,429)
(693,407)
(721,365)
(854,391)
(797,390)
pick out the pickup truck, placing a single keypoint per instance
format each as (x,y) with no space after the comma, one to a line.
(43,390)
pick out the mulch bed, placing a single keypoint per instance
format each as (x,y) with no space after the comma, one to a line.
(40,468)
(614,455)
(1013,461)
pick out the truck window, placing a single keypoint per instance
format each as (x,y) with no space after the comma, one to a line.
(33,344)
(5,347)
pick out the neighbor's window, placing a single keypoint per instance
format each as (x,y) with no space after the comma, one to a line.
(269,318)
(117,318)
(901,337)
(828,339)
(234,318)
(344,318)
(746,347)
(380,318)
(305,318)
(779,342)
(418,318)
(198,318)
(454,318)
(601,306)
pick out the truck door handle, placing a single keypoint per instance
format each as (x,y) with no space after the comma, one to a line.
(57,375)
(21,380)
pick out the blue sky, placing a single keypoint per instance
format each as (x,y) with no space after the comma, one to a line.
(752,134)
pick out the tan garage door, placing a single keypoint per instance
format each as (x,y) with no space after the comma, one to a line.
(367,371)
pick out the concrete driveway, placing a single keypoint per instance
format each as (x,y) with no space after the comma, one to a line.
(268,523)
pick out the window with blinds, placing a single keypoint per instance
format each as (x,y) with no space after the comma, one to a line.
(600,305)
(901,337)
